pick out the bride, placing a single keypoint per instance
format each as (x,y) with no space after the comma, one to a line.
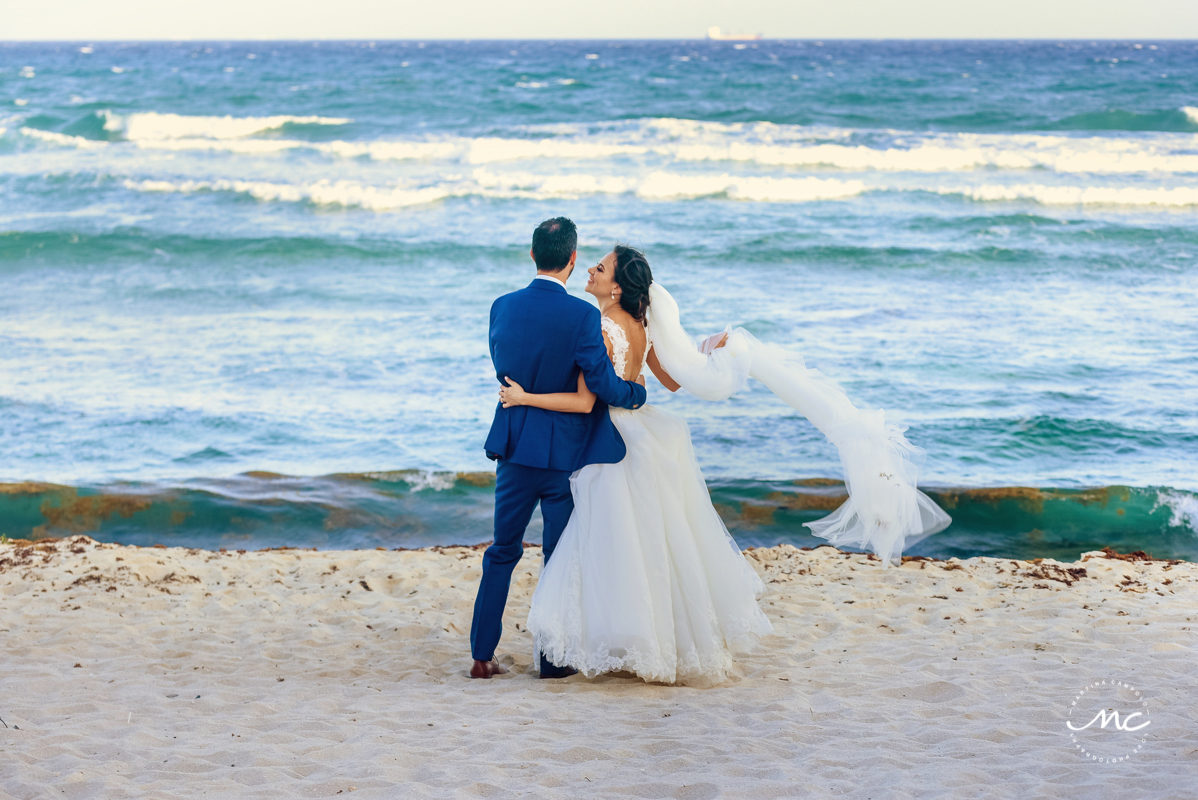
(646,577)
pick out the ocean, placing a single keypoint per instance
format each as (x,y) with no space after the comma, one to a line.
(246,285)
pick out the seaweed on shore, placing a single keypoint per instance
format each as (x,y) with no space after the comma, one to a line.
(1135,555)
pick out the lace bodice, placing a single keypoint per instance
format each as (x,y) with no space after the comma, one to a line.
(620,347)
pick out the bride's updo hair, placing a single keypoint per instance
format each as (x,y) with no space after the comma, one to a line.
(633,276)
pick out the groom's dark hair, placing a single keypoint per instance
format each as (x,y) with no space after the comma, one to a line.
(553,242)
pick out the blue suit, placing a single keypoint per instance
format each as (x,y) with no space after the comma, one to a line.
(542,338)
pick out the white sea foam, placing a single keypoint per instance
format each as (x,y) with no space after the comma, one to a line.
(1056,154)
(491,149)
(786,145)
(525,184)
(240,146)
(738,187)
(769,144)
(1184,508)
(1077,195)
(341,193)
(656,185)
(664,185)
(380,150)
(650,147)
(678,140)
(384,150)
(62,139)
(484,150)
(1191,112)
(419,480)
(959,153)
(155,126)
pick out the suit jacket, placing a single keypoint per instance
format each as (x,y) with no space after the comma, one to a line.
(542,338)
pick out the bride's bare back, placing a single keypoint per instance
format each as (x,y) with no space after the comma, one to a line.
(627,343)
(629,349)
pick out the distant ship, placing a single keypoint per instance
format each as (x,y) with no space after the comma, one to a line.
(714,33)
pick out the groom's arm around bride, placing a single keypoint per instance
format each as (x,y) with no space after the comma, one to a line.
(542,338)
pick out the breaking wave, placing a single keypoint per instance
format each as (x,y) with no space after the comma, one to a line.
(153,126)
(340,193)
(418,508)
(62,139)
(657,185)
(760,144)
(1177,196)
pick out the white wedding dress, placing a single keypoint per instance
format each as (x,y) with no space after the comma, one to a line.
(646,577)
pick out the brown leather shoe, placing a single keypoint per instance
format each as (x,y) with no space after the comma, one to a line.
(485,669)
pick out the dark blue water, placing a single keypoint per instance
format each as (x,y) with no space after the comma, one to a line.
(222,258)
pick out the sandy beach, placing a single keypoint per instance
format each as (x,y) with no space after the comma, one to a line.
(155,672)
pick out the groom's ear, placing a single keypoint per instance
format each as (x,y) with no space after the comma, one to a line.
(573,258)
(530,255)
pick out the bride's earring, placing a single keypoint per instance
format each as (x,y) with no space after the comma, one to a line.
(613,294)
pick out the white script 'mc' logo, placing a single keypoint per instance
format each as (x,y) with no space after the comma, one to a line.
(1124,725)
(1113,732)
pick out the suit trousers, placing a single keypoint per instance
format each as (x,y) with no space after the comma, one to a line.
(518,489)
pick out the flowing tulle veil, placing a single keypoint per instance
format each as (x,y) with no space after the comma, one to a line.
(885,511)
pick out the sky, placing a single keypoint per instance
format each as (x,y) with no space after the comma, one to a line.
(97,20)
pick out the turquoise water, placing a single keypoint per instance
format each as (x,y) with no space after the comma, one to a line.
(266,257)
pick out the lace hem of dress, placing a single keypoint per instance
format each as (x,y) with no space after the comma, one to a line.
(560,638)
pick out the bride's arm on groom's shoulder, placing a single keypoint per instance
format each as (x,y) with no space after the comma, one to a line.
(579,402)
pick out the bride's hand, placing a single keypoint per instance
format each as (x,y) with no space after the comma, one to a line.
(713,343)
(512,395)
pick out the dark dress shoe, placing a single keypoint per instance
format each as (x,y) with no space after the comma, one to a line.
(558,672)
(485,669)
(550,670)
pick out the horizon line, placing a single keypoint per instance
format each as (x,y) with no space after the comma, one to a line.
(175,40)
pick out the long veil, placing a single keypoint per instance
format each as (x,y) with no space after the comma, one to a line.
(885,511)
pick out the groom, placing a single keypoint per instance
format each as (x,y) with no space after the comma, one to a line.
(542,338)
